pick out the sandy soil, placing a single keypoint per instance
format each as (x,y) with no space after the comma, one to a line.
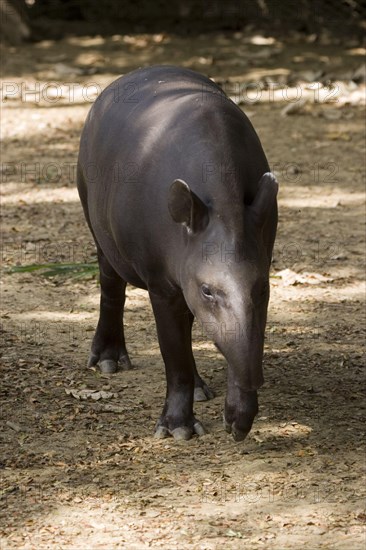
(80,474)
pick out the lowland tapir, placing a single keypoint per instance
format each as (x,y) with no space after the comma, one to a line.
(178,195)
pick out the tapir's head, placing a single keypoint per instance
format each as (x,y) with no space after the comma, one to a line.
(225,280)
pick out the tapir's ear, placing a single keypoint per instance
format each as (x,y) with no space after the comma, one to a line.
(186,208)
(264,200)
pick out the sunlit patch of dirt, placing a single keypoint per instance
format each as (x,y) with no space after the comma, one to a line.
(87,473)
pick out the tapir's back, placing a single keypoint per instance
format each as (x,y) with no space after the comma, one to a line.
(151,127)
(172,118)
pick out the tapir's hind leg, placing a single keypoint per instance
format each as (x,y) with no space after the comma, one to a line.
(202,392)
(109,347)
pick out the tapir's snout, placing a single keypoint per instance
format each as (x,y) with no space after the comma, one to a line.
(240,410)
(245,376)
(237,330)
(238,435)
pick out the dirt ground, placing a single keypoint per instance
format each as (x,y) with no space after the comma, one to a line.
(87,473)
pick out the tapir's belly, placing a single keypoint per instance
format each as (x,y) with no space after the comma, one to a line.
(121,255)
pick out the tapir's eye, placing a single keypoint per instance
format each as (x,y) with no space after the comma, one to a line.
(205,289)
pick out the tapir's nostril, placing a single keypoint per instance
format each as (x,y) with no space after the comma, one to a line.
(238,435)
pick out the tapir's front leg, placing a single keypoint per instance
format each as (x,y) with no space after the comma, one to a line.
(174,333)
(202,392)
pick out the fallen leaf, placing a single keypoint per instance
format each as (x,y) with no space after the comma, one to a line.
(95,395)
(290,277)
(294,108)
(335,136)
(331,114)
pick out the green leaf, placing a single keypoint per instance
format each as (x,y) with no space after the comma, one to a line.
(52,270)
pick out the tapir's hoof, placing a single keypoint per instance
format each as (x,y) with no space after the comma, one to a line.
(125,362)
(198,428)
(182,433)
(238,435)
(161,432)
(93,360)
(108,366)
(203,393)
